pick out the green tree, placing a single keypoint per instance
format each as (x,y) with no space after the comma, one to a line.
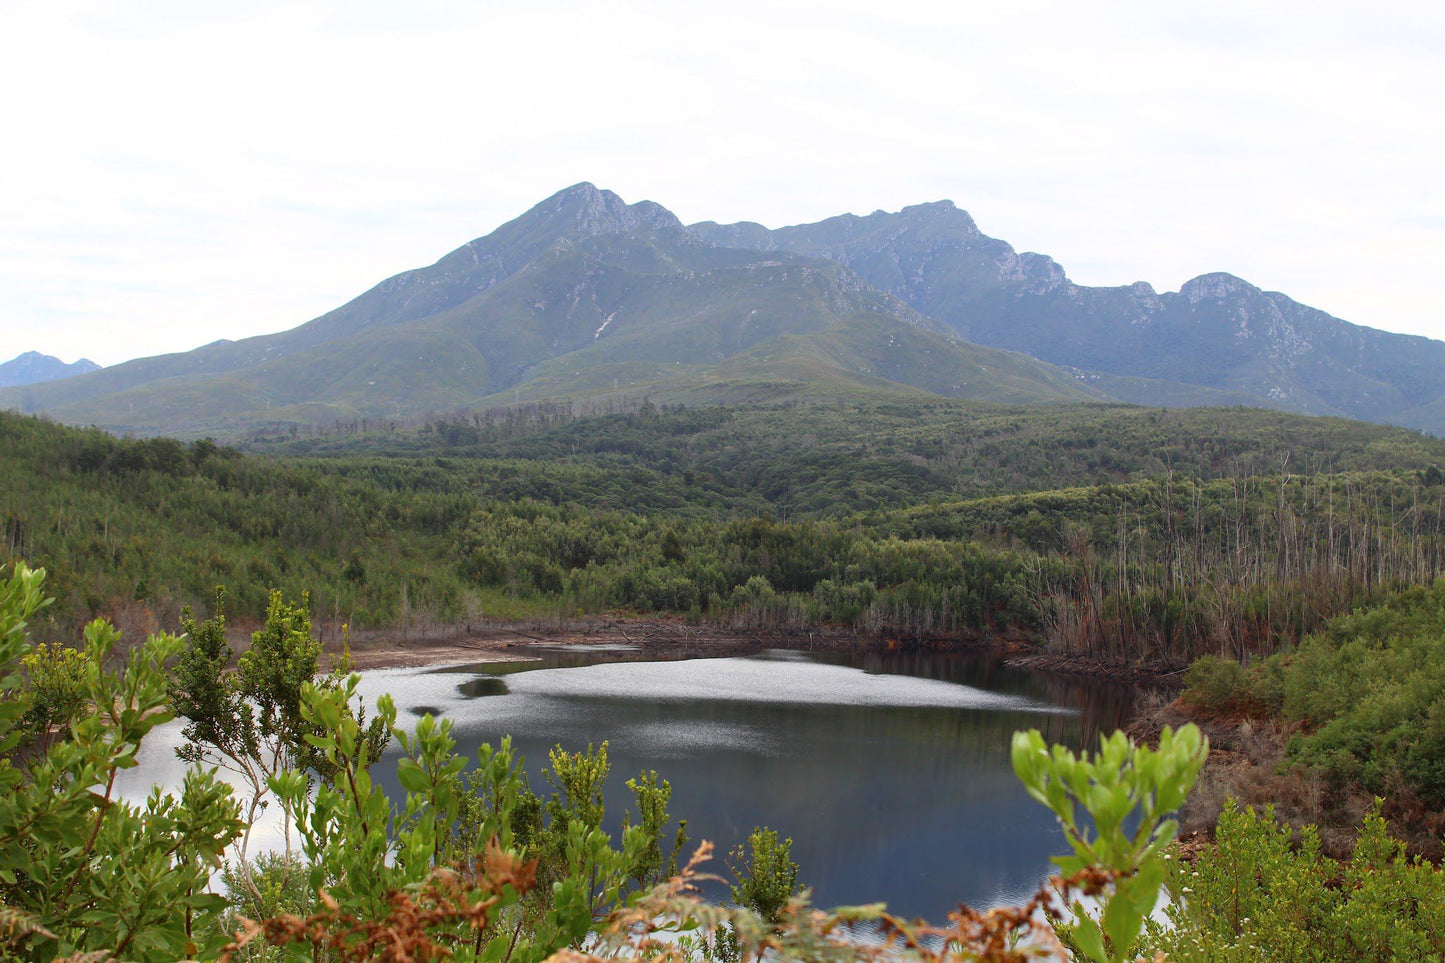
(81,871)
(249,721)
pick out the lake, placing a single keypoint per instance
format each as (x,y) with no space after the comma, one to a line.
(890,771)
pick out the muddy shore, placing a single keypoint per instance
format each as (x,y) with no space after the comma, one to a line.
(675,639)
(660,638)
(1144,675)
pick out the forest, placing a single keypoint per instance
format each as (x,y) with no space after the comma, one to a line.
(1121,534)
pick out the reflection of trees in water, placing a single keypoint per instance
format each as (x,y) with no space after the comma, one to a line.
(1102,706)
(914,803)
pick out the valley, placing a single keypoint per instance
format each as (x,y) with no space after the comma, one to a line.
(813,519)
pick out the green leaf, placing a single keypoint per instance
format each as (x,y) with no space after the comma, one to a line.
(1123,920)
(1087,935)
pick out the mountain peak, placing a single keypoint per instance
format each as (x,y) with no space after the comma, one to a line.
(586,209)
(585,285)
(1215,287)
(583,189)
(32,367)
(945,211)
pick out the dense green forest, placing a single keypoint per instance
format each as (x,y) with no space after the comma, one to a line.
(134,529)
(837,459)
(1120,533)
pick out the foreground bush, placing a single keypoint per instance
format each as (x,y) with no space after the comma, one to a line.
(79,870)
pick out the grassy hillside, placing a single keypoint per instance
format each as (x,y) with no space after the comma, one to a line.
(860,357)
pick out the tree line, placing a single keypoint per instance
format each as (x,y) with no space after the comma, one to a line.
(1160,569)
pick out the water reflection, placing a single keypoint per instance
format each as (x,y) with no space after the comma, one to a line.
(890,771)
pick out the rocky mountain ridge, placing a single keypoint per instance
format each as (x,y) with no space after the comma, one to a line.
(582,296)
(587,296)
(1217,334)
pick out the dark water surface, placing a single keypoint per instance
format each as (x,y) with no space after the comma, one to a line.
(889,771)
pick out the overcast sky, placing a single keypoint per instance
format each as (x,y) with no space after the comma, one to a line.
(172,175)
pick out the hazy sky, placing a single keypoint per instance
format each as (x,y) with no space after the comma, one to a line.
(172,175)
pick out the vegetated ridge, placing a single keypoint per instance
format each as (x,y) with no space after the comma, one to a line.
(1115,532)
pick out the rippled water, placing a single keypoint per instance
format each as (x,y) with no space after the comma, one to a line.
(889,772)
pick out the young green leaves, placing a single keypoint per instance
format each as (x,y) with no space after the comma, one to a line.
(1122,782)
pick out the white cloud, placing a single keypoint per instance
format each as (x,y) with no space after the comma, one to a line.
(177,175)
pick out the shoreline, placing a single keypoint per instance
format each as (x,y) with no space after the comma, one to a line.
(676,639)
(1156,677)
(508,642)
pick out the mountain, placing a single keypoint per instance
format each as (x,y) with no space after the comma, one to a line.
(32,367)
(582,295)
(587,296)
(1217,340)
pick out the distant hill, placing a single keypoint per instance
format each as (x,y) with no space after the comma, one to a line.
(582,295)
(32,367)
(1218,340)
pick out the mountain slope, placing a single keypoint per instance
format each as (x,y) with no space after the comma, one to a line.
(585,295)
(857,357)
(1218,332)
(581,283)
(32,367)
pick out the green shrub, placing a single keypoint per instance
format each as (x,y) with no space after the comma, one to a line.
(1216,685)
(1371,691)
(80,871)
(56,688)
(765,876)
(1257,894)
